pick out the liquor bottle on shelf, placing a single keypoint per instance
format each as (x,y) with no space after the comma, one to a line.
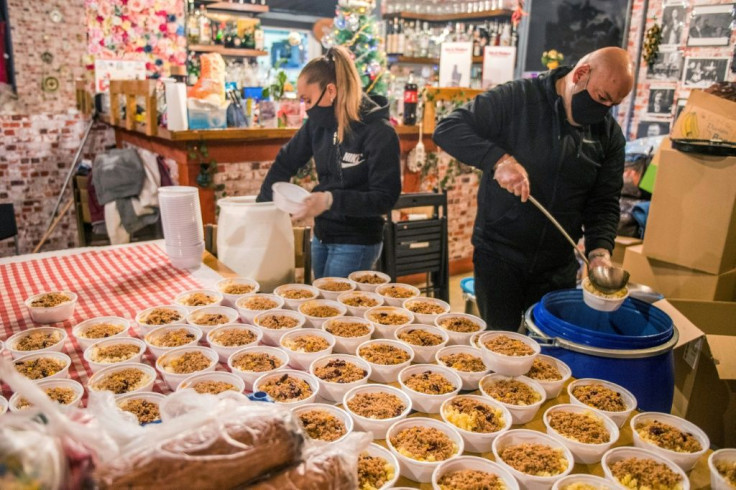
(411,99)
(424,34)
(205,26)
(258,37)
(192,24)
(505,38)
(401,40)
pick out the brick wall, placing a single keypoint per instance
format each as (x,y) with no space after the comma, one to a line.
(641,98)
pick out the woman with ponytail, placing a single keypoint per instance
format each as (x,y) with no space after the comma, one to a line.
(356,153)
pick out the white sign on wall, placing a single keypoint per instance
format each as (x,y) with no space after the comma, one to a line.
(498,65)
(456,60)
(106,70)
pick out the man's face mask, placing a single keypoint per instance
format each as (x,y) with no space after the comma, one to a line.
(322,116)
(585,110)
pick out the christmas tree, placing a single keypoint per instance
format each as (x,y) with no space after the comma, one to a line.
(357,29)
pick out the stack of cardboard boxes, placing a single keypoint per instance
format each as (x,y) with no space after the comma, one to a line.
(689,255)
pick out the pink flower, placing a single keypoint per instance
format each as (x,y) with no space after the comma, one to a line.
(136,5)
(104,9)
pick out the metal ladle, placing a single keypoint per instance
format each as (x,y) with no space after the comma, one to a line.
(606,279)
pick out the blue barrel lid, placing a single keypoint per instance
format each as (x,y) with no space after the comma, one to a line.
(468,285)
(635,325)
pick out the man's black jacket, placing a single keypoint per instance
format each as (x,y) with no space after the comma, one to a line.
(577,173)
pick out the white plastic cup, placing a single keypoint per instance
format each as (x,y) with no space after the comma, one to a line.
(302,360)
(250,377)
(317,321)
(460,463)
(293,304)
(272,336)
(216,295)
(619,453)
(332,295)
(377,427)
(383,373)
(84,342)
(224,351)
(53,314)
(460,338)
(717,481)
(425,318)
(618,417)
(381,452)
(364,286)
(96,366)
(583,479)
(359,310)
(423,354)
(335,392)
(51,383)
(584,453)
(145,328)
(229,298)
(59,356)
(686,461)
(338,413)
(103,373)
(311,381)
(159,351)
(397,302)
(521,414)
(387,331)
(509,365)
(348,345)
(11,342)
(553,388)
(223,376)
(247,315)
(232,317)
(478,442)
(173,379)
(423,402)
(470,379)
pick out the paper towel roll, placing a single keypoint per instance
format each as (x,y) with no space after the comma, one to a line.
(176,106)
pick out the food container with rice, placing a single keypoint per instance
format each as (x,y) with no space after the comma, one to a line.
(358,302)
(230,338)
(208,317)
(633,467)
(163,339)
(551,373)
(3,405)
(306,345)
(424,340)
(66,392)
(144,406)
(460,327)
(213,383)
(196,298)
(386,319)
(233,288)
(250,363)
(338,374)
(466,362)
(122,378)
(178,364)
(378,469)
(36,341)
(722,465)
(429,385)
(583,482)
(677,439)
(113,351)
(472,472)
(478,419)
(374,407)
(289,387)
(296,294)
(535,459)
(394,294)
(159,316)
(47,365)
(520,395)
(317,311)
(369,280)
(509,353)
(274,324)
(323,424)
(608,398)
(95,329)
(421,444)
(52,306)
(386,357)
(598,300)
(332,287)
(426,310)
(251,305)
(349,332)
(586,433)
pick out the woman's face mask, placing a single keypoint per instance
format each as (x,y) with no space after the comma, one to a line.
(323,116)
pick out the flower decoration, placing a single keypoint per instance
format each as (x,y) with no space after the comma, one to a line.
(552,59)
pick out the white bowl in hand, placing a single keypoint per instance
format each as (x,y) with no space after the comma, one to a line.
(288,197)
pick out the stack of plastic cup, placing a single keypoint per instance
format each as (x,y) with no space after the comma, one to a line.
(181,218)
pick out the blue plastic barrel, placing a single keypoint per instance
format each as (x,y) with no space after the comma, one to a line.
(631,346)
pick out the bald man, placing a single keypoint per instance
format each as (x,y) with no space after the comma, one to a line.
(552,136)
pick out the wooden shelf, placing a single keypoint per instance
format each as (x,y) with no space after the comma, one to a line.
(235,7)
(426,61)
(450,17)
(216,48)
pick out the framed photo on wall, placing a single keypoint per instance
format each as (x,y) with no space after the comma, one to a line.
(710,25)
(661,101)
(673,24)
(668,65)
(681,103)
(648,128)
(703,72)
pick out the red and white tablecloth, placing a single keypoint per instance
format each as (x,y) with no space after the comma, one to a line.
(113,282)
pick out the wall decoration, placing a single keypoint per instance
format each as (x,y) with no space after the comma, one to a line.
(648,129)
(711,25)
(667,65)
(673,24)
(702,72)
(681,103)
(661,101)
(149,30)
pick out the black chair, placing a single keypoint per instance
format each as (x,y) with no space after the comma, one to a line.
(8,226)
(419,246)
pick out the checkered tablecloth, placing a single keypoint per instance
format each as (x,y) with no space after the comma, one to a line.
(114,282)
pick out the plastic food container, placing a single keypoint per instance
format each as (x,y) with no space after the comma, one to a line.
(225,377)
(54,314)
(159,331)
(316,321)
(62,374)
(229,299)
(553,388)
(311,381)
(423,402)
(332,295)
(79,329)
(509,365)
(180,298)
(145,329)
(173,379)
(149,396)
(97,366)
(391,301)
(293,304)
(423,354)
(478,442)
(426,318)
(382,373)
(51,383)
(247,315)
(618,417)
(686,461)
(364,286)
(521,436)
(378,427)
(223,351)
(717,481)
(381,452)
(359,310)
(521,414)
(387,331)
(601,303)
(338,413)
(231,314)
(302,360)
(4,408)
(584,453)
(460,463)
(335,392)
(460,338)
(591,480)
(348,345)
(11,342)
(619,453)
(103,373)
(250,377)
(421,471)
(470,379)
(288,197)
(272,336)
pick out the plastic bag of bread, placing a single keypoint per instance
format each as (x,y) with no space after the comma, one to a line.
(227,443)
(329,467)
(211,83)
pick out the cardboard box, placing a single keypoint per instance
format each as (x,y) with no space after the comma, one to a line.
(675,281)
(707,117)
(692,217)
(619,248)
(705,367)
